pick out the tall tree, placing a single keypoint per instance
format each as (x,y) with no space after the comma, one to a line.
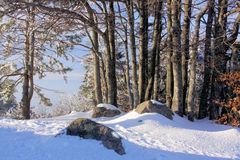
(185,46)
(157,30)
(177,105)
(27,89)
(96,55)
(127,72)
(169,79)
(112,74)
(143,48)
(130,14)
(207,63)
(193,58)
(221,45)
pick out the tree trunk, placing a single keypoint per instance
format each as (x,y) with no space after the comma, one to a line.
(27,89)
(104,79)
(192,77)
(235,66)
(157,76)
(109,42)
(176,60)
(207,64)
(97,76)
(112,76)
(156,38)
(169,79)
(185,48)
(96,55)
(143,48)
(130,13)
(220,49)
(127,72)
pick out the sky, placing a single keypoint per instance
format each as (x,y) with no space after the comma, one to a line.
(57,82)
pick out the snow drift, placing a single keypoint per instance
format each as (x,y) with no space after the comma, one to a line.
(145,137)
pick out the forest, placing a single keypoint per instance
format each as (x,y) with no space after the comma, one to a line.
(153,79)
(182,53)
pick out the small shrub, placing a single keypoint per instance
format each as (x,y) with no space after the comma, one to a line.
(232,105)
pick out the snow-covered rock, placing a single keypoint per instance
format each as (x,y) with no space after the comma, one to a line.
(154,107)
(105,110)
(89,129)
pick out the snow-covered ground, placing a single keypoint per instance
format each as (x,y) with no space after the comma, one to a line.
(145,137)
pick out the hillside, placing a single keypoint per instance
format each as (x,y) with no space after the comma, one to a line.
(145,137)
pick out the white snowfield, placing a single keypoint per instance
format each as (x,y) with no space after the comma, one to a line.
(145,137)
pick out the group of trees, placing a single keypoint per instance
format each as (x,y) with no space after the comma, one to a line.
(139,49)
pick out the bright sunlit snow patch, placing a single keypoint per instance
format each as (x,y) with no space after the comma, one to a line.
(107,106)
(145,137)
(156,102)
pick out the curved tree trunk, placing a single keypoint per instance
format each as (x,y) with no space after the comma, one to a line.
(192,77)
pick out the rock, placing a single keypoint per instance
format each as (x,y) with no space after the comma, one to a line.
(105,110)
(89,129)
(154,107)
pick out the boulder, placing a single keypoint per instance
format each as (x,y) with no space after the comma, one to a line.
(89,129)
(154,107)
(105,110)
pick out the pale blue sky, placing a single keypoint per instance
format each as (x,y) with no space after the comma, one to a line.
(56,81)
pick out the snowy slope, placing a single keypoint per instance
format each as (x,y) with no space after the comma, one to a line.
(145,137)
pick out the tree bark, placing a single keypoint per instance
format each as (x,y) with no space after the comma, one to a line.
(156,38)
(192,77)
(185,48)
(235,66)
(109,42)
(207,64)
(157,76)
(96,55)
(27,89)
(97,75)
(221,45)
(176,60)
(130,13)
(169,79)
(112,74)
(143,48)
(127,72)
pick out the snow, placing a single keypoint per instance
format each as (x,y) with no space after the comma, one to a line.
(157,102)
(145,137)
(107,106)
